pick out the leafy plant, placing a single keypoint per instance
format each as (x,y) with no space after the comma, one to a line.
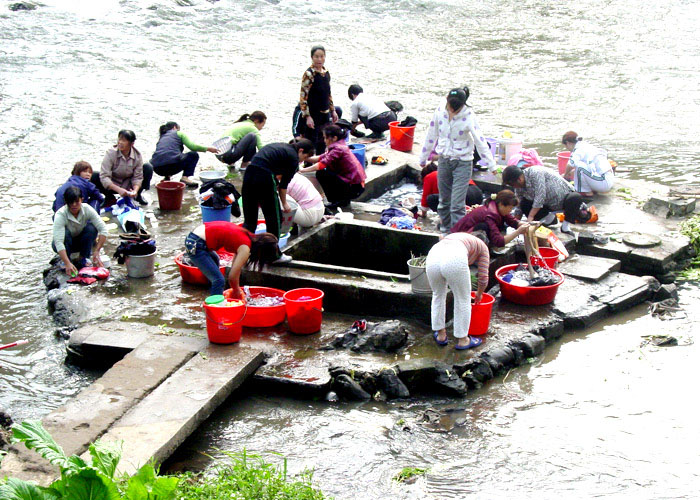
(418,261)
(409,472)
(80,480)
(691,229)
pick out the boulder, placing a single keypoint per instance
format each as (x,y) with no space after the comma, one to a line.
(666,291)
(474,372)
(550,330)
(386,336)
(499,359)
(347,388)
(431,377)
(5,419)
(66,308)
(17,6)
(530,345)
(390,384)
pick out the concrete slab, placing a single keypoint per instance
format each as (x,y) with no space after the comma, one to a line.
(589,268)
(87,416)
(159,423)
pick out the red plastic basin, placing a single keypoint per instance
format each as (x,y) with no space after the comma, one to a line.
(481,315)
(260,317)
(527,295)
(192,274)
(549,255)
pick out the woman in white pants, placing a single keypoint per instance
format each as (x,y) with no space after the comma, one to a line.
(448,265)
(590,166)
(311,208)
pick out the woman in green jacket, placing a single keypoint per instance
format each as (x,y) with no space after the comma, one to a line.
(244,139)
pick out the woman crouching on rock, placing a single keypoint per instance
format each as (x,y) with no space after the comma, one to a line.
(203,242)
(448,265)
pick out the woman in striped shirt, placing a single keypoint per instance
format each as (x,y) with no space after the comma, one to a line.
(448,265)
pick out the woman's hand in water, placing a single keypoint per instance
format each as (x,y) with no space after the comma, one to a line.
(286,208)
(310,122)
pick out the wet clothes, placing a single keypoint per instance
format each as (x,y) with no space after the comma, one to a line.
(489,219)
(169,159)
(91,195)
(226,235)
(127,248)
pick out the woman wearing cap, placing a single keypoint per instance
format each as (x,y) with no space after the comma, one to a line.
(123,171)
(589,165)
(245,139)
(315,100)
(447,265)
(453,133)
(204,240)
(169,158)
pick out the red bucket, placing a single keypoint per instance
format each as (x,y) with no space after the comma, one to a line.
(263,316)
(481,315)
(401,138)
(170,194)
(550,256)
(527,295)
(192,274)
(563,161)
(224,323)
(304,310)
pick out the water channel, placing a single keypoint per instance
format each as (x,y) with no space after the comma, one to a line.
(597,415)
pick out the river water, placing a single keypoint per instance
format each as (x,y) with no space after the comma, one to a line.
(622,74)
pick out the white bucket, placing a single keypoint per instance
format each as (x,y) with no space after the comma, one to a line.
(141,266)
(419,280)
(507,148)
(288,217)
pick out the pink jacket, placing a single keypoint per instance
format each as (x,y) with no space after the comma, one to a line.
(529,156)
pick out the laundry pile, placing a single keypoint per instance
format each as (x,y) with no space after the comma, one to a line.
(520,276)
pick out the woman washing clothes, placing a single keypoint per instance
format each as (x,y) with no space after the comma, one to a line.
(254,249)
(491,218)
(453,133)
(169,158)
(315,100)
(303,192)
(245,139)
(266,181)
(589,166)
(448,265)
(337,170)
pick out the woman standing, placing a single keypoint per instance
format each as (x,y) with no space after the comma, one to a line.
(337,170)
(169,158)
(245,139)
(204,240)
(268,175)
(589,165)
(492,217)
(453,133)
(316,101)
(448,265)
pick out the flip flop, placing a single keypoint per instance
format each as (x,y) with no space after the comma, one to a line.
(473,342)
(441,343)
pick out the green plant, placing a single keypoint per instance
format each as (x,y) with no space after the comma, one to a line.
(691,229)
(80,480)
(408,472)
(417,261)
(247,476)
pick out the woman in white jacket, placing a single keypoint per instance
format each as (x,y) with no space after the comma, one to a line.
(589,165)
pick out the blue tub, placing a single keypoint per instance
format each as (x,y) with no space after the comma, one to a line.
(211,214)
(359,151)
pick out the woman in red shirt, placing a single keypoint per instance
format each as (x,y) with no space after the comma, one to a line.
(203,242)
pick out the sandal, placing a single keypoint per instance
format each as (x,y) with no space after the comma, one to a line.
(473,342)
(379,160)
(441,343)
(359,326)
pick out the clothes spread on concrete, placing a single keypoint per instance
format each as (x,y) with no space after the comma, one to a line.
(520,276)
(220,194)
(404,222)
(392,212)
(127,248)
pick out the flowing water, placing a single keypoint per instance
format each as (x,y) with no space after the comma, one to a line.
(622,74)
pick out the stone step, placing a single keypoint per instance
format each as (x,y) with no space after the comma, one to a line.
(158,424)
(587,267)
(90,414)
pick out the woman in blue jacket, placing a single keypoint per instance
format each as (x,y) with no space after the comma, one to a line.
(80,178)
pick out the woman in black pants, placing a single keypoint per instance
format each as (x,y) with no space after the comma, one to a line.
(266,177)
(316,101)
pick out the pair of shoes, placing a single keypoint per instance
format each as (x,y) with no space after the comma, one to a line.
(379,160)
(189,184)
(473,342)
(359,326)
(549,220)
(441,343)
(374,135)
(284,258)
(357,133)
(140,199)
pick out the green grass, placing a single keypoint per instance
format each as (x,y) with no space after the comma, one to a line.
(691,229)
(409,472)
(245,476)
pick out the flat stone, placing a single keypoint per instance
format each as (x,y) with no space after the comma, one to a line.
(158,424)
(589,268)
(641,240)
(89,414)
(669,207)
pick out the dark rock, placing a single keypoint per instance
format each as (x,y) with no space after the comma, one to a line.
(64,332)
(499,359)
(5,420)
(530,345)
(447,382)
(477,368)
(431,377)
(417,373)
(667,278)
(518,354)
(389,382)
(348,389)
(386,336)
(17,6)
(667,291)
(65,308)
(52,277)
(550,330)
(654,284)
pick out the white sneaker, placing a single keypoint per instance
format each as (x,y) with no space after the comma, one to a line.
(283,259)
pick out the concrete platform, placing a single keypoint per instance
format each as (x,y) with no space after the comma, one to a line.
(588,268)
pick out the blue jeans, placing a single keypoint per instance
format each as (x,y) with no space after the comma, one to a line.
(207,261)
(83,242)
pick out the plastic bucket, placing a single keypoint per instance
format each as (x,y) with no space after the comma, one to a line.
(141,266)
(304,310)
(224,323)
(211,214)
(192,274)
(210,175)
(401,138)
(288,217)
(493,146)
(507,148)
(419,279)
(563,161)
(170,194)
(263,316)
(359,150)
(527,295)
(550,256)
(481,315)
